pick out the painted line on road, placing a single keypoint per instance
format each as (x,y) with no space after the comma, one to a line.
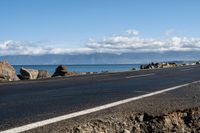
(87,111)
(135,76)
(144,75)
(186,69)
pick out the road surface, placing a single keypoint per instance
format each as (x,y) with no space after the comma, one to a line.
(26,102)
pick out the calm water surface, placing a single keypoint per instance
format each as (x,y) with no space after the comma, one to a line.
(82,68)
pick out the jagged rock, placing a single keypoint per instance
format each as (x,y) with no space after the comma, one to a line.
(29,73)
(158,65)
(7,72)
(61,70)
(43,74)
(197,63)
(140,118)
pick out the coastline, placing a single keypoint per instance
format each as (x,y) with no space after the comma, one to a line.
(16,73)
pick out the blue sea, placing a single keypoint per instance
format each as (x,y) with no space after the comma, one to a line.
(83,68)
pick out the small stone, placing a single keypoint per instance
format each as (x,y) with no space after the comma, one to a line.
(185,114)
(140,118)
(132,117)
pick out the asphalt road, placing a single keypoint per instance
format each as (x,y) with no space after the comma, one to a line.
(25,102)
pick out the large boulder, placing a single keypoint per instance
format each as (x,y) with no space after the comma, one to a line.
(197,63)
(43,74)
(61,70)
(7,72)
(29,73)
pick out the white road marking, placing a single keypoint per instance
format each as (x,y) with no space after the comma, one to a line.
(186,69)
(87,111)
(144,75)
(135,76)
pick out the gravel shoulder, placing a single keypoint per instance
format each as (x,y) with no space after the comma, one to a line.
(173,111)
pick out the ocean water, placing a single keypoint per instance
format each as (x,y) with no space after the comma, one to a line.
(82,68)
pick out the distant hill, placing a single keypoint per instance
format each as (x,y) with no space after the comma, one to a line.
(101,58)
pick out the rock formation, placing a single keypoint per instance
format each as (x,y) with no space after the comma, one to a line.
(7,72)
(29,73)
(33,74)
(43,74)
(61,70)
(158,65)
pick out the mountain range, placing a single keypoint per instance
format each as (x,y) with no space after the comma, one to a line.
(101,58)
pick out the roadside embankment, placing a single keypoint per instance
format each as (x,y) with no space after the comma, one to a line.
(187,120)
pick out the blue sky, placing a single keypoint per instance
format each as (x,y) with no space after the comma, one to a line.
(71,23)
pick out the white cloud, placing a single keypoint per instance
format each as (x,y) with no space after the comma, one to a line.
(69,51)
(130,42)
(11,47)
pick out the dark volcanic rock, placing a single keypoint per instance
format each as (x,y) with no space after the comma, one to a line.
(43,74)
(7,72)
(20,77)
(61,70)
(197,63)
(133,69)
(158,65)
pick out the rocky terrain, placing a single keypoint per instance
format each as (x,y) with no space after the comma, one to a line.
(158,65)
(181,121)
(8,73)
(165,65)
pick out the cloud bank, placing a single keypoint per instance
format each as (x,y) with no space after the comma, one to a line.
(128,42)
(11,47)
